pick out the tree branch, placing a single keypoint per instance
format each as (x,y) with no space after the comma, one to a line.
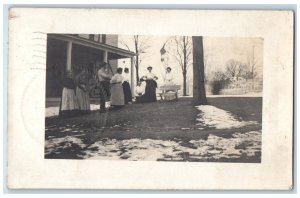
(123,43)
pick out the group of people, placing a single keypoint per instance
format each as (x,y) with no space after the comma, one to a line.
(114,88)
(146,87)
(75,98)
(75,94)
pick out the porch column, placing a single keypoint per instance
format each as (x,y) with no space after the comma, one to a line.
(105,56)
(69,56)
(105,59)
(132,76)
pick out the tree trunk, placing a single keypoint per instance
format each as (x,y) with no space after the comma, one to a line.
(137,69)
(184,83)
(199,95)
(184,66)
(136,42)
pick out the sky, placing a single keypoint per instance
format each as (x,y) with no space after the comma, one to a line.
(217,50)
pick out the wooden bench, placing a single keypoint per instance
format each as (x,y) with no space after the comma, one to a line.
(169,89)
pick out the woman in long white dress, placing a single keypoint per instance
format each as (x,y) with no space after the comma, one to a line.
(117,94)
(69,105)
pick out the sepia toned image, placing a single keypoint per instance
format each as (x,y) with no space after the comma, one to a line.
(154,98)
(157,100)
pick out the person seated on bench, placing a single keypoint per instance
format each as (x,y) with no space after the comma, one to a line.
(169,77)
(140,93)
(170,94)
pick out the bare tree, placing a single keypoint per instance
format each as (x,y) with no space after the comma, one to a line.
(140,45)
(252,63)
(235,69)
(183,55)
(232,68)
(199,95)
(249,75)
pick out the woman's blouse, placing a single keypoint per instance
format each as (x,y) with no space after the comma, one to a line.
(169,77)
(139,90)
(117,78)
(150,76)
(68,83)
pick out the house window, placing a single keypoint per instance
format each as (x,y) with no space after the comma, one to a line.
(91,36)
(103,40)
(96,38)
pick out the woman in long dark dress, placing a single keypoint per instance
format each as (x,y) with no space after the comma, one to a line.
(151,85)
(82,90)
(126,87)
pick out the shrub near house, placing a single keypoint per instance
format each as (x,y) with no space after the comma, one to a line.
(220,84)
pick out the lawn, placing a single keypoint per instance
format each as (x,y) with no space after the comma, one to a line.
(163,131)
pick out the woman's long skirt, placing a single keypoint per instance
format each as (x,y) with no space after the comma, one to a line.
(83,99)
(127,92)
(69,105)
(117,95)
(150,91)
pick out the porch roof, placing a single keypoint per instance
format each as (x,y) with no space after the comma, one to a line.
(113,52)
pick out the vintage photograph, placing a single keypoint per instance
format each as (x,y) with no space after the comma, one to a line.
(150,99)
(154,98)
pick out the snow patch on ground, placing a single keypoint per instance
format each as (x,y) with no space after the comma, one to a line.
(239,145)
(53,145)
(214,117)
(54,111)
(132,149)
(247,95)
